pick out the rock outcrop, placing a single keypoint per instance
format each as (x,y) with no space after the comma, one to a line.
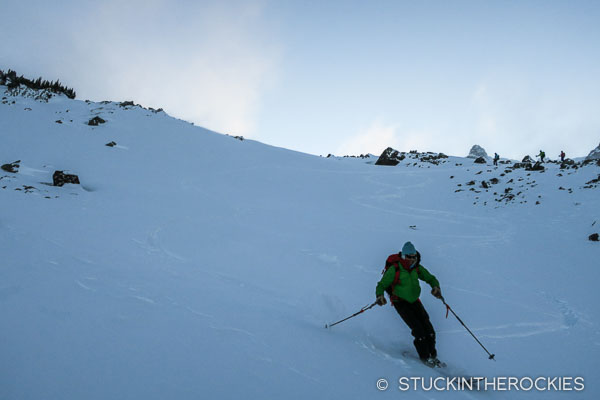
(535,167)
(477,151)
(96,121)
(13,167)
(390,157)
(594,154)
(527,159)
(59,178)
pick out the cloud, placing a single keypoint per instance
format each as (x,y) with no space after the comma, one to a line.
(376,138)
(380,135)
(206,62)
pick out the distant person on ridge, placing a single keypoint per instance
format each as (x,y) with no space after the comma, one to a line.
(401,281)
(562,156)
(542,155)
(496,158)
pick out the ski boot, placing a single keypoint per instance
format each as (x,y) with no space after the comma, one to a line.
(433,362)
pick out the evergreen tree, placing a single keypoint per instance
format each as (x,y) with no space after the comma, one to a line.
(12,81)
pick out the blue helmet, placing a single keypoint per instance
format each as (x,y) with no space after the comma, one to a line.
(408,248)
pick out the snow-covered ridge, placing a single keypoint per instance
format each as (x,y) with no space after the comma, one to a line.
(481,184)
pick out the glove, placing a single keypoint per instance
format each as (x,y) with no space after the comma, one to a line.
(436,292)
(381,300)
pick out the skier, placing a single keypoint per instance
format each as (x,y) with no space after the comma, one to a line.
(496,158)
(562,156)
(542,155)
(401,281)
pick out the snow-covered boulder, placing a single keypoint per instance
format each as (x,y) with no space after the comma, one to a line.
(477,151)
(594,154)
(390,157)
(567,163)
(535,167)
(433,158)
(527,159)
(96,121)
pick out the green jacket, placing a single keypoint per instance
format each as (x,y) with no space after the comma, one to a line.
(408,287)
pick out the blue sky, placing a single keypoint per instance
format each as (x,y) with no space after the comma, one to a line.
(342,77)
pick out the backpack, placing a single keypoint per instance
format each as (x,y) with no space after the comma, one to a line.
(393,261)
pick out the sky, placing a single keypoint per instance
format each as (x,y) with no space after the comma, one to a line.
(340,77)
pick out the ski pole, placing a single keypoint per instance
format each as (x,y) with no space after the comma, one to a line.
(362,310)
(491,356)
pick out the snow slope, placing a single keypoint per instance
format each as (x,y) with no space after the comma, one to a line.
(191,265)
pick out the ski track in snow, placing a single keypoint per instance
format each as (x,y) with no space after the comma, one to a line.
(497,229)
(85,286)
(152,245)
(196,312)
(144,299)
(531,329)
(564,319)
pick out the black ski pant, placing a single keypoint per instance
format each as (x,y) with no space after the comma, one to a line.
(417,319)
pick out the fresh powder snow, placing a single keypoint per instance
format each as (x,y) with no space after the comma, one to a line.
(192,265)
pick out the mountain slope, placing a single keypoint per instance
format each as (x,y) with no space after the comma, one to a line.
(189,264)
